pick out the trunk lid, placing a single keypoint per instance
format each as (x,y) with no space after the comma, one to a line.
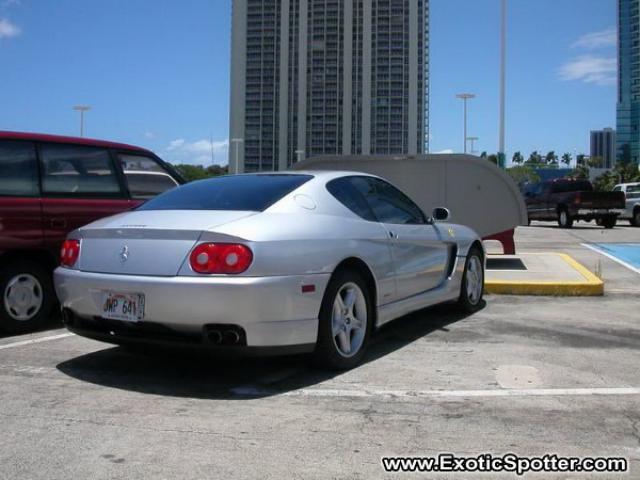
(152,242)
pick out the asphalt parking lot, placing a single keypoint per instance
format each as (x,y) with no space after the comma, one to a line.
(530,375)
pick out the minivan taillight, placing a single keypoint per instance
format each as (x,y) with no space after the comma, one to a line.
(220,258)
(69,253)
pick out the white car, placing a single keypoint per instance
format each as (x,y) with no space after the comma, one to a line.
(632,209)
(297,262)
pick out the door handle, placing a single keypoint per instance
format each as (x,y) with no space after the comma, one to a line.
(58,223)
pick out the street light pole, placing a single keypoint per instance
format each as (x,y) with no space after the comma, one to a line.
(503,80)
(82,109)
(465,97)
(299,155)
(237,142)
(473,140)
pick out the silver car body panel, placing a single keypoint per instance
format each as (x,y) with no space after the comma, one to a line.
(299,240)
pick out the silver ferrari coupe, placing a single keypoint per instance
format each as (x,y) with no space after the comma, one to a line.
(278,262)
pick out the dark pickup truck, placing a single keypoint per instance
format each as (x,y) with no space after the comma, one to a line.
(567,200)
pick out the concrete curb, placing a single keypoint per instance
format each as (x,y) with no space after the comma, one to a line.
(592,286)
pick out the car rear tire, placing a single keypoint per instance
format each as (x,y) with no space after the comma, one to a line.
(565,220)
(472,289)
(345,322)
(635,219)
(27,299)
(609,222)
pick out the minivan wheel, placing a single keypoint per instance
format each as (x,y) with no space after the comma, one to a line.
(635,220)
(346,317)
(27,297)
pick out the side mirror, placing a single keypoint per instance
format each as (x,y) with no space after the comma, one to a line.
(441,214)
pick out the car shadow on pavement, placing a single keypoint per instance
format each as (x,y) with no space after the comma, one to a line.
(180,373)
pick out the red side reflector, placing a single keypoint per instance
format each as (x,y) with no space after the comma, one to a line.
(308,288)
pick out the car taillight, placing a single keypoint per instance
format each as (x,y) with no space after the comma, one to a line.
(577,198)
(69,253)
(220,258)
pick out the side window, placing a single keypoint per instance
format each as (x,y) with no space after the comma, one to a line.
(18,169)
(343,190)
(145,177)
(388,204)
(76,170)
(633,191)
(617,188)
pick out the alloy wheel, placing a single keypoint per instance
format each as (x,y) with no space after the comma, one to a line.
(349,320)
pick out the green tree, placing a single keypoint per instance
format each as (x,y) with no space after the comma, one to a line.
(523,174)
(534,159)
(580,172)
(493,158)
(551,158)
(198,172)
(580,159)
(518,159)
(566,159)
(594,162)
(621,173)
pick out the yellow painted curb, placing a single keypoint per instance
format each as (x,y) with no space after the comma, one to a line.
(592,286)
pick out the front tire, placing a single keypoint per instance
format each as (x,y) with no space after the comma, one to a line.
(27,297)
(472,289)
(345,322)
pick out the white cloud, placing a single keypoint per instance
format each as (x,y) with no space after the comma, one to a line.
(602,39)
(446,150)
(199,152)
(149,135)
(590,69)
(8,29)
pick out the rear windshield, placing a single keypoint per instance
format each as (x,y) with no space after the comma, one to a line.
(253,193)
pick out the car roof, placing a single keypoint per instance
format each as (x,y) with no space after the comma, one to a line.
(319,174)
(43,137)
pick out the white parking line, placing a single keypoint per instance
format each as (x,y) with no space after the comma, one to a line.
(611,257)
(35,340)
(531,392)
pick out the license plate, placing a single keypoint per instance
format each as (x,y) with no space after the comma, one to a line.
(128,307)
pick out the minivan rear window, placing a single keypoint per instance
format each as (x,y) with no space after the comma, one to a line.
(249,192)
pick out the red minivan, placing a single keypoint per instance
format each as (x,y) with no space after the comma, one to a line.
(50,185)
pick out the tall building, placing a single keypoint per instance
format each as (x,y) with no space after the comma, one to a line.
(628,111)
(603,146)
(338,77)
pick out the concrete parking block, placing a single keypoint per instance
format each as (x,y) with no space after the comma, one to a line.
(554,274)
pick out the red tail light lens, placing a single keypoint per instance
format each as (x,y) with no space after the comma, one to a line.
(220,258)
(69,253)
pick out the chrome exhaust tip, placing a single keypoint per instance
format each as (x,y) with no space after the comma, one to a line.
(215,336)
(231,337)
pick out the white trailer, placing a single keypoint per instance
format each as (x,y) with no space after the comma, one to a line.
(477,192)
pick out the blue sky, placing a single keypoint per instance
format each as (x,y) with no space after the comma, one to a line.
(157,72)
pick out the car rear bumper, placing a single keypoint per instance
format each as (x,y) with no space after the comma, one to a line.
(272,311)
(599,211)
